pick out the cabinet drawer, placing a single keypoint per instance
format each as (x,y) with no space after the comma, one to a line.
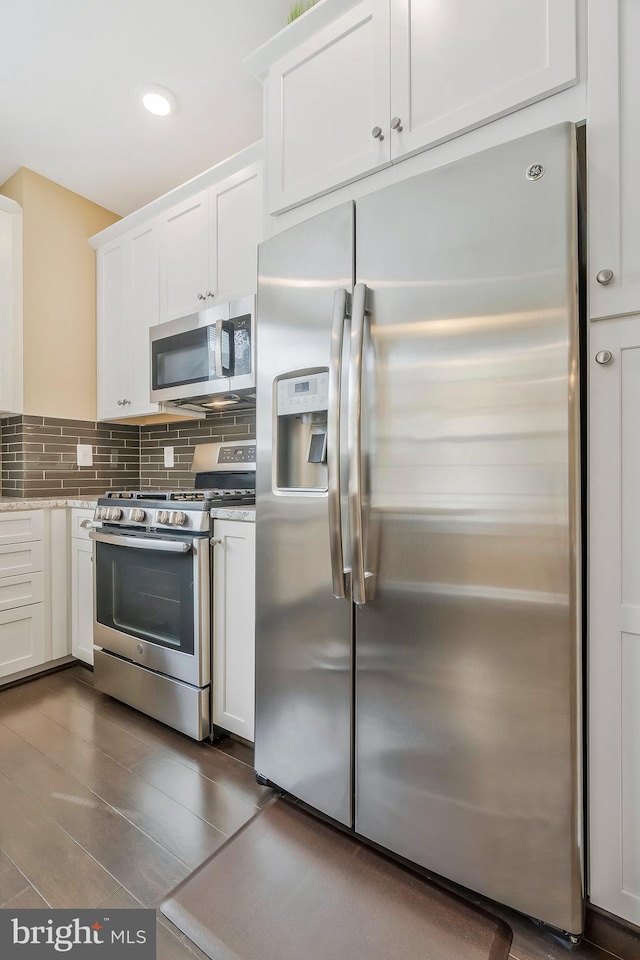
(21,638)
(20,526)
(18,559)
(21,591)
(77,517)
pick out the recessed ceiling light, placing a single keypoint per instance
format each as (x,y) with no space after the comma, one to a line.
(158,101)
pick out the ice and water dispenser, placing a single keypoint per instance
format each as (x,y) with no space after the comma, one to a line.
(300,456)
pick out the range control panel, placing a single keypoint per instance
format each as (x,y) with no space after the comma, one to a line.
(303,394)
(231,454)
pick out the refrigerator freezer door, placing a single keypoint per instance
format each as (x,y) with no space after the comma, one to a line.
(304,675)
(468,733)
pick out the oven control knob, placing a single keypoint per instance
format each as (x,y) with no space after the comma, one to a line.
(137,515)
(177,518)
(113,513)
(162,516)
(99,513)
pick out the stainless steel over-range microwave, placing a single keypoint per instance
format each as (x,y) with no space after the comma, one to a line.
(205,353)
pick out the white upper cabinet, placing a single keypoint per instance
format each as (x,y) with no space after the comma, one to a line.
(420,71)
(145,296)
(613,150)
(11,398)
(324,100)
(235,229)
(184,269)
(456,64)
(208,248)
(114,359)
(128,295)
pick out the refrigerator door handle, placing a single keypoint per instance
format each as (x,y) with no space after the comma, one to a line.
(358,582)
(334,497)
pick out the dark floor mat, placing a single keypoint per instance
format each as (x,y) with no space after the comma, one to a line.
(288,886)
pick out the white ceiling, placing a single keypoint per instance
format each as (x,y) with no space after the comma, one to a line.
(69,72)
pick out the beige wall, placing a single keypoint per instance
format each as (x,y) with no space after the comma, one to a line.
(59,296)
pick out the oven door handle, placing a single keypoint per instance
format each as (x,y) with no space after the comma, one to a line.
(139,543)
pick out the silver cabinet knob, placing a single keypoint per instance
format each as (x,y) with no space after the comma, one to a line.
(120,402)
(604,276)
(210,293)
(201,296)
(125,402)
(377,134)
(604,356)
(396,124)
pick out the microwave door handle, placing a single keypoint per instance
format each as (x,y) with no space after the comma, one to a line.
(355,443)
(140,543)
(334,495)
(218,350)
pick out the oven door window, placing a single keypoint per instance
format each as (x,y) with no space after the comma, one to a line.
(146,594)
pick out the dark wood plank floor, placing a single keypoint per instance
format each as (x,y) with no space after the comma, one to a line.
(102,806)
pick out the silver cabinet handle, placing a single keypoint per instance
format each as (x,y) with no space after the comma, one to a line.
(214,541)
(123,403)
(604,276)
(377,134)
(88,525)
(201,296)
(334,496)
(142,543)
(396,124)
(209,293)
(355,443)
(604,356)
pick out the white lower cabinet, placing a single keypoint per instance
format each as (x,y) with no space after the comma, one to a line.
(24,636)
(81,587)
(614,616)
(234,626)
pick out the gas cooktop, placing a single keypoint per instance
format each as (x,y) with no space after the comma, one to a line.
(213,495)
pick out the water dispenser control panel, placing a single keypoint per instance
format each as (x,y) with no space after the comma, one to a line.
(303,394)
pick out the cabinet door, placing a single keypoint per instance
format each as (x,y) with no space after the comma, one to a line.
(614,618)
(114,341)
(22,643)
(145,313)
(235,229)
(184,257)
(82,600)
(456,64)
(234,623)
(323,101)
(11,289)
(613,149)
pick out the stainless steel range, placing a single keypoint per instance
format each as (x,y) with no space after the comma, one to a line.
(152,574)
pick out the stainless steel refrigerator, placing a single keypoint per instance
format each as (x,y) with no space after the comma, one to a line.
(418,662)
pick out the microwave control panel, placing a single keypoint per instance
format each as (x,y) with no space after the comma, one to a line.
(303,394)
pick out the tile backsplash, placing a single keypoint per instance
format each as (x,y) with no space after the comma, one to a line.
(39,453)
(39,457)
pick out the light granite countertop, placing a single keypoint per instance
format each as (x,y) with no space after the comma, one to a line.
(246,514)
(46,503)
